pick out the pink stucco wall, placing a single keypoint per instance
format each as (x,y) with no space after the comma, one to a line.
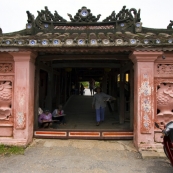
(23,99)
(17,74)
(144,103)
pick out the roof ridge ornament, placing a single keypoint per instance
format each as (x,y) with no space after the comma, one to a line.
(0,31)
(43,17)
(124,14)
(31,17)
(170,25)
(110,18)
(84,15)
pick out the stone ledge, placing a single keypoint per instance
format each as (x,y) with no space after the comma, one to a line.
(152,154)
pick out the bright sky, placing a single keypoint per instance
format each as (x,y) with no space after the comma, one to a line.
(154,13)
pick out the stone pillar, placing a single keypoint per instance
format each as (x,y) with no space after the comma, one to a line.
(131,98)
(122,97)
(104,83)
(144,98)
(36,93)
(48,104)
(65,86)
(58,93)
(23,97)
(112,86)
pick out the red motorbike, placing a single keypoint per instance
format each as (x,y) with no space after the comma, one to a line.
(167,134)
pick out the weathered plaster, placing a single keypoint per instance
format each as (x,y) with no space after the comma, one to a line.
(164,91)
(23,71)
(144,99)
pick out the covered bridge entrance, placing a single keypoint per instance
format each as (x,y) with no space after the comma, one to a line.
(132,63)
(56,73)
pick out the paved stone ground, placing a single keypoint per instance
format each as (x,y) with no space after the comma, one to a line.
(82,156)
(80,115)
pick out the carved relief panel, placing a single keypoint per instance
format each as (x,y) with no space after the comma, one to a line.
(164,99)
(6,97)
(5,100)
(6,90)
(6,68)
(145,92)
(163,70)
(20,98)
(20,114)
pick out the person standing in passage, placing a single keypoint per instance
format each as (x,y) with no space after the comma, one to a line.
(73,92)
(81,89)
(58,114)
(99,102)
(92,86)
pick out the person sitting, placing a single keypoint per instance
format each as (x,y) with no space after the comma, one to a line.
(45,119)
(58,114)
(40,111)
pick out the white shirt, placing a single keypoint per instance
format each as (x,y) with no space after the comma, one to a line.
(99,100)
(55,112)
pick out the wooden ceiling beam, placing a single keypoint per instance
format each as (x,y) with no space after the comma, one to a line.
(86,65)
(82,57)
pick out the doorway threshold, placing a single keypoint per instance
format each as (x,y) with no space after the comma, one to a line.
(83,134)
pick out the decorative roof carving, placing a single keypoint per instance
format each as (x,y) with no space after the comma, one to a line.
(79,28)
(125,20)
(121,29)
(43,17)
(0,31)
(84,15)
(110,18)
(124,14)
(170,25)
(31,17)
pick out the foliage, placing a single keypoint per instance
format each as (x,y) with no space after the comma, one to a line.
(97,84)
(8,150)
(86,84)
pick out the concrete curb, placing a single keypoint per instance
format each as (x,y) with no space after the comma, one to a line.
(152,154)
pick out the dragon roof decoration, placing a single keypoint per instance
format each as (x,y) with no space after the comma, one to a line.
(46,20)
(85,29)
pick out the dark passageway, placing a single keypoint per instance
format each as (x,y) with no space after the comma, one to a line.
(57,78)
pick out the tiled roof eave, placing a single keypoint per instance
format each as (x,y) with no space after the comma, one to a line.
(107,39)
(87,49)
(98,45)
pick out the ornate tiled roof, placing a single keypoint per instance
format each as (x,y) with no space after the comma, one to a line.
(84,30)
(87,39)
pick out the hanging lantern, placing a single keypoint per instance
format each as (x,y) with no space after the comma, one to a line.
(118,78)
(127,77)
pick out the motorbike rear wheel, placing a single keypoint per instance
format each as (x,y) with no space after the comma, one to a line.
(164,148)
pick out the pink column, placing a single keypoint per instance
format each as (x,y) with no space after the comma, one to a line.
(144,98)
(23,97)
